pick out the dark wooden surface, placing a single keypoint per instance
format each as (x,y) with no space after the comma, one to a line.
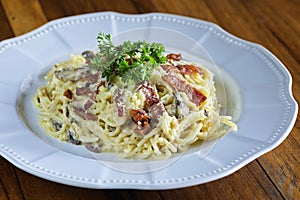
(273,23)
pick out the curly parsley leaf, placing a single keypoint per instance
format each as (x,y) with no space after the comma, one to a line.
(131,60)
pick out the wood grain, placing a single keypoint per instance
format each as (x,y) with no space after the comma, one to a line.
(274,24)
(24,16)
(190,8)
(6,31)
(282,172)
(9,184)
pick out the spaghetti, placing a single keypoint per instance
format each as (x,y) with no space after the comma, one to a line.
(150,119)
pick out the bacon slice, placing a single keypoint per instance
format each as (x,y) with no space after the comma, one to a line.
(68,93)
(173,56)
(174,81)
(182,86)
(84,114)
(139,116)
(188,69)
(170,69)
(156,110)
(153,106)
(142,119)
(83,91)
(120,102)
(151,96)
(182,69)
(89,90)
(94,146)
(87,76)
(88,104)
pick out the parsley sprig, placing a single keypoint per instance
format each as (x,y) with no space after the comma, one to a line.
(131,60)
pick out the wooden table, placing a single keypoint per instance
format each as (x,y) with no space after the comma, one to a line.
(274,24)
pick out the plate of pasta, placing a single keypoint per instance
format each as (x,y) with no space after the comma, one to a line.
(148,101)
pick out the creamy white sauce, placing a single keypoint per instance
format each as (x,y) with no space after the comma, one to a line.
(228,94)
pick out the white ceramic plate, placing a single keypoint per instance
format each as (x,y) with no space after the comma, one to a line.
(257,88)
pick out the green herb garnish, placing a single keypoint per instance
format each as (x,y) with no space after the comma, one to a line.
(131,61)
